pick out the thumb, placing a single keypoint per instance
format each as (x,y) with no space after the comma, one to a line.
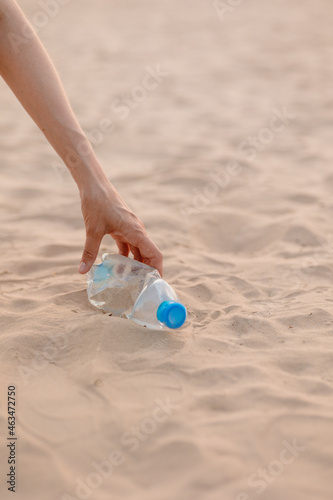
(90,252)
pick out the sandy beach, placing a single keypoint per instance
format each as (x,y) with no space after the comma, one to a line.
(214,122)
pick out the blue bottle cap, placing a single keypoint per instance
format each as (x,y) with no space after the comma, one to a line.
(171,313)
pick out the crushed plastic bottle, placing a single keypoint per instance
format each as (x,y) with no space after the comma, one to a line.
(133,290)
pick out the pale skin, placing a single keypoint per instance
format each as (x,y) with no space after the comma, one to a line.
(29,72)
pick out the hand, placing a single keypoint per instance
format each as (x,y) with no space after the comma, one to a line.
(104,212)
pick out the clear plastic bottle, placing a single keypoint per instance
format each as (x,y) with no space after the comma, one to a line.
(132,290)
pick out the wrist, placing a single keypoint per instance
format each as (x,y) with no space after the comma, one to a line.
(91,178)
(84,166)
(94,184)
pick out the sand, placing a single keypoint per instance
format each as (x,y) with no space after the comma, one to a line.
(238,404)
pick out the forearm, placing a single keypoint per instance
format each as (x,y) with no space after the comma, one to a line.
(30,74)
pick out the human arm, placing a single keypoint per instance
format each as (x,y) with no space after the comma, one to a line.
(29,72)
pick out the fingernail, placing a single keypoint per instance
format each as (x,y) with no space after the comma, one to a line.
(82,267)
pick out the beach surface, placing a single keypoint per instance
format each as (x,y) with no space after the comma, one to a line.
(215,125)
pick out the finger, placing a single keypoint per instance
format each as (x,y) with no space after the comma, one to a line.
(90,252)
(151,255)
(123,248)
(136,253)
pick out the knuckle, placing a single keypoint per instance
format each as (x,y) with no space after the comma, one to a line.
(135,235)
(88,254)
(93,232)
(141,223)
